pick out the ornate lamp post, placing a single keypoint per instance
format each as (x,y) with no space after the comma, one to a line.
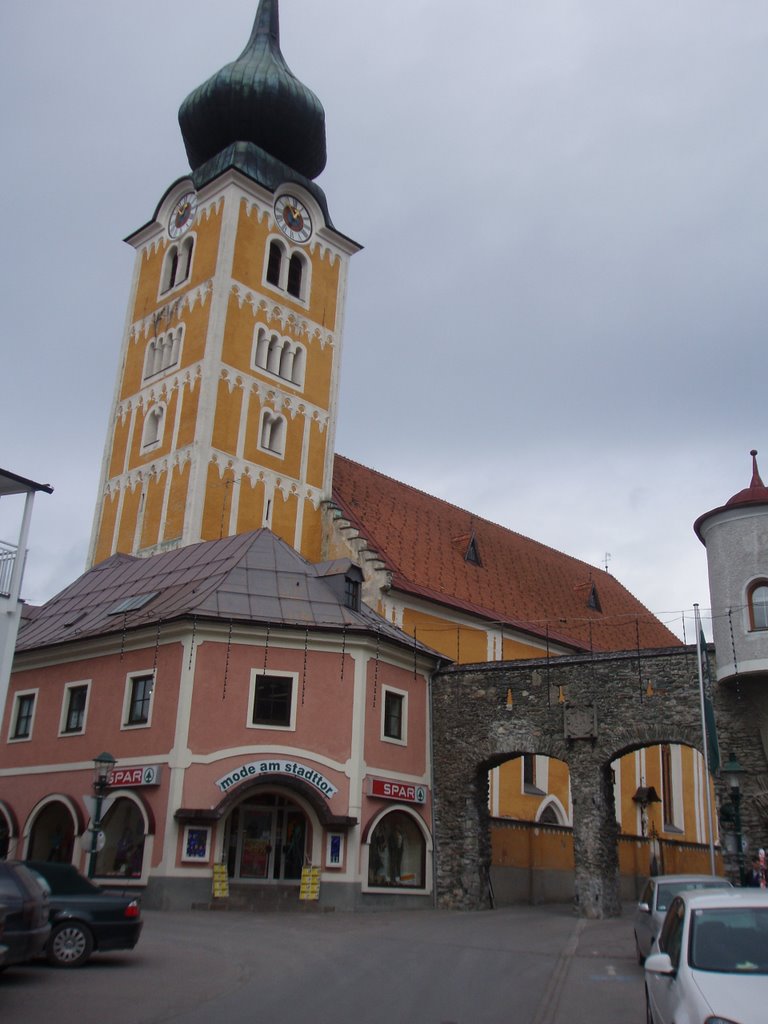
(102,766)
(732,771)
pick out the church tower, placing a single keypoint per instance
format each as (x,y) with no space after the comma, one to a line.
(223,418)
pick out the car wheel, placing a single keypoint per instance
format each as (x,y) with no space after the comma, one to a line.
(640,957)
(70,944)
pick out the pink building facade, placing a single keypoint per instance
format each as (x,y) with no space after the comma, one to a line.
(261,718)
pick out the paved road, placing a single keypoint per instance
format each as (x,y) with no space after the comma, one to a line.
(522,965)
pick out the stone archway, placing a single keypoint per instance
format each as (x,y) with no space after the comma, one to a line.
(585,711)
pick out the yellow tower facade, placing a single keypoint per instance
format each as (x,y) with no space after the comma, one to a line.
(223,418)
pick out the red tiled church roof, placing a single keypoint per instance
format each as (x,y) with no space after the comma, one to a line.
(423,541)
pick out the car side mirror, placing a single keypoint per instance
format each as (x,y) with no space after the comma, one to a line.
(643,908)
(659,963)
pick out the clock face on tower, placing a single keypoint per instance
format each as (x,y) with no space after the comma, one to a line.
(183,214)
(293,218)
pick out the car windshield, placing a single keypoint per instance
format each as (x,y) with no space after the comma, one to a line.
(731,940)
(668,890)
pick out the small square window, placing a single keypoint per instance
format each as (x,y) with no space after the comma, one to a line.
(272,701)
(140,693)
(394,715)
(76,698)
(22,719)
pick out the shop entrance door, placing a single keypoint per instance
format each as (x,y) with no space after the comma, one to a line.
(267,839)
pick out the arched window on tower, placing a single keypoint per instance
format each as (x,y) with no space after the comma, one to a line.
(287,271)
(758,605)
(296,275)
(279,356)
(275,262)
(177,264)
(185,259)
(272,432)
(153,426)
(163,352)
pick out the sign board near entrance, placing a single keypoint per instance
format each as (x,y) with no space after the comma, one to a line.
(390,789)
(138,775)
(292,768)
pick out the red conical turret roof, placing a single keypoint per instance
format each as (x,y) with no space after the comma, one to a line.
(755,494)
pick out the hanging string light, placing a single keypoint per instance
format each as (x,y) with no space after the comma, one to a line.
(304,673)
(192,643)
(376,668)
(343,649)
(226,662)
(157,647)
(266,649)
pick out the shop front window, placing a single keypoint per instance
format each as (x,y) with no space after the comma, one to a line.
(53,834)
(123,853)
(5,838)
(397,856)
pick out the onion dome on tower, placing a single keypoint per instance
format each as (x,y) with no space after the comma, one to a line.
(255,115)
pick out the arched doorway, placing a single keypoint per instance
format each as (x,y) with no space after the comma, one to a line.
(266,839)
(52,833)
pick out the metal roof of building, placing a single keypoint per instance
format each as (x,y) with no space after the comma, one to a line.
(252,577)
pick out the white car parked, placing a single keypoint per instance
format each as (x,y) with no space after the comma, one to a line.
(658,893)
(710,961)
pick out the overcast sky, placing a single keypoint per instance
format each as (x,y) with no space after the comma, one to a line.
(558,319)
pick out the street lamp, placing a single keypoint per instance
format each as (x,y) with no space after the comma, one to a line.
(102,766)
(732,771)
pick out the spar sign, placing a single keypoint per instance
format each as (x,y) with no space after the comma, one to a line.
(390,789)
(292,768)
(138,775)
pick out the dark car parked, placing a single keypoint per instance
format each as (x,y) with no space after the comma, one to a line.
(3,948)
(84,917)
(26,913)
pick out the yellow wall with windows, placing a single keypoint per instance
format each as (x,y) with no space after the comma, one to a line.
(153,506)
(207,233)
(177,501)
(248,267)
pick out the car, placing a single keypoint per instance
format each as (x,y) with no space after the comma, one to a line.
(27,927)
(657,895)
(710,962)
(84,917)
(3,949)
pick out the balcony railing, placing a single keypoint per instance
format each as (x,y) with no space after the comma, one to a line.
(8,555)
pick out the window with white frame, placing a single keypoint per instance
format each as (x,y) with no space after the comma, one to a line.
(279,356)
(758,605)
(177,264)
(23,715)
(272,703)
(139,691)
(272,431)
(394,716)
(287,271)
(74,708)
(163,352)
(153,426)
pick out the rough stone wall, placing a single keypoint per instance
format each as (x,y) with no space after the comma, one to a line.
(587,711)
